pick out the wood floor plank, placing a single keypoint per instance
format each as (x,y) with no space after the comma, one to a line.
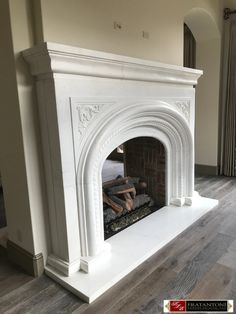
(44,296)
(13,282)
(229,260)
(228,227)
(149,288)
(25,292)
(197,237)
(198,267)
(67,304)
(233,246)
(223,187)
(38,303)
(205,184)
(218,283)
(186,280)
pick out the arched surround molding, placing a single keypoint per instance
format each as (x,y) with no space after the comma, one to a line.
(156,119)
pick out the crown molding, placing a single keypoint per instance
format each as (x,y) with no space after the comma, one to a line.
(49,58)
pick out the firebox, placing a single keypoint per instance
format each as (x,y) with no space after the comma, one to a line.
(137,187)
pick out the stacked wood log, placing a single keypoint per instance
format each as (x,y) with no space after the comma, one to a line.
(120,193)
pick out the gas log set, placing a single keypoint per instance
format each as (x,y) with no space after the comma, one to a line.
(125,202)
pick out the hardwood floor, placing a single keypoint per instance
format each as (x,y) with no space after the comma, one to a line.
(200,263)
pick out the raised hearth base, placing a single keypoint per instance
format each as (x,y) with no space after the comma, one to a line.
(133,246)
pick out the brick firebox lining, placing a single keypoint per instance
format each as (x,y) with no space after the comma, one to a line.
(144,157)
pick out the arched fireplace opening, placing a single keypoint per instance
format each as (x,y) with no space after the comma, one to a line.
(134,181)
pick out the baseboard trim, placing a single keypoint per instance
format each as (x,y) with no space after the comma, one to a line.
(206,170)
(32,264)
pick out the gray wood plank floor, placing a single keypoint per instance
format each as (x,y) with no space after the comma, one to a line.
(200,263)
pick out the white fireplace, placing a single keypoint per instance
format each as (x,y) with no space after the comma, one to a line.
(90,102)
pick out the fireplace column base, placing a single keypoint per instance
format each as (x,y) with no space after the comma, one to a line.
(62,266)
(177,201)
(151,233)
(180,201)
(90,264)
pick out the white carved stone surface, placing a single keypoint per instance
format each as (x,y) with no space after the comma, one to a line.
(184,108)
(86,113)
(151,233)
(89,103)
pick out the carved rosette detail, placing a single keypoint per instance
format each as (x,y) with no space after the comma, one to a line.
(183,107)
(86,113)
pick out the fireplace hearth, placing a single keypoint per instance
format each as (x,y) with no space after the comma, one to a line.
(89,103)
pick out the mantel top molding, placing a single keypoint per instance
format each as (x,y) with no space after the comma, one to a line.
(50,57)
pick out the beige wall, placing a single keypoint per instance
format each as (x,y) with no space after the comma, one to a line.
(88,24)
(20,154)
(208,37)
(207,102)
(230,4)
(23,33)
(11,142)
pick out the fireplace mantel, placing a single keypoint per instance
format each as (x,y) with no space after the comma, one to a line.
(90,102)
(56,58)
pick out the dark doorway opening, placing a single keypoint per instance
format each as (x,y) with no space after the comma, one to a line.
(3,221)
(189,48)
